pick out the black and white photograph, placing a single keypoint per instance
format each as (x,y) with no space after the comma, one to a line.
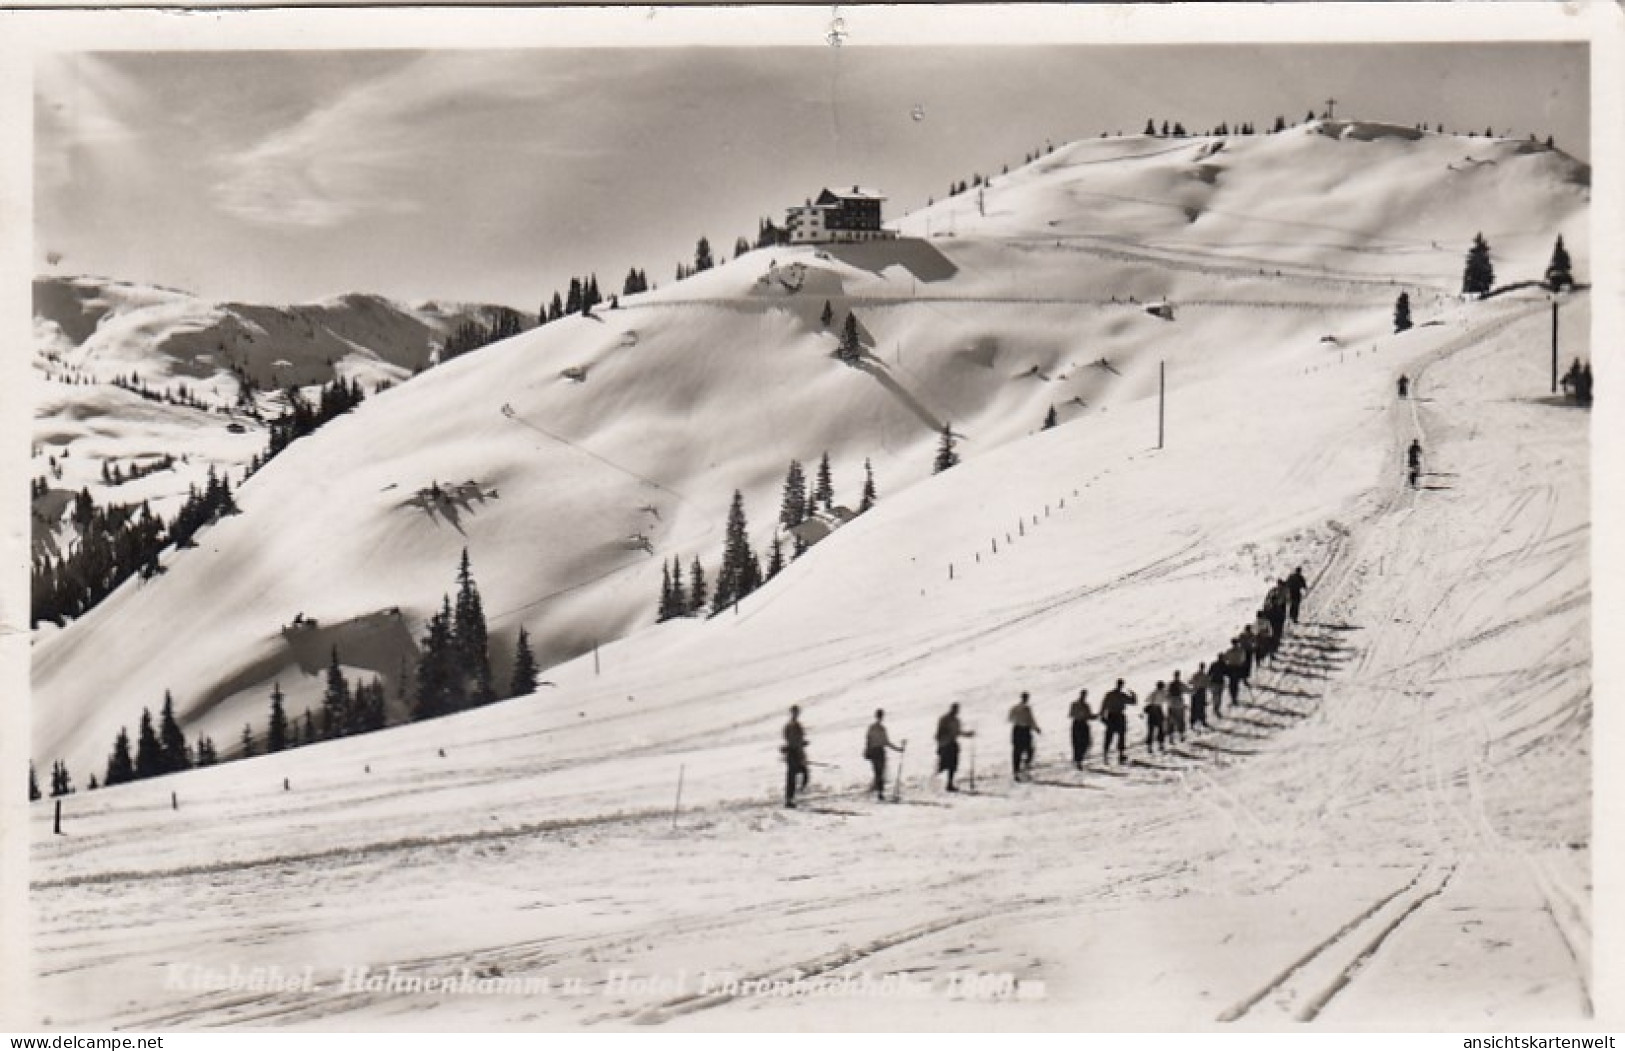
(779,519)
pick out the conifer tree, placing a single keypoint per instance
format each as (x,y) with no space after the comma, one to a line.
(176,755)
(825,493)
(1479,275)
(1150,128)
(946,456)
(828,315)
(868,499)
(1559,274)
(247,741)
(206,755)
(775,558)
(119,767)
(276,731)
(555,309)
(739,572)
(1050,418)
(1402,312)
(793,506)
(149,752)
(33,784)
(470,640)
(851,345)
(572,302)
(336,701)
(679,596)
(525,672)
(434,677)
(697,596)
(702,256)
(61,780)
(91,785)
(668,602)
(308,724)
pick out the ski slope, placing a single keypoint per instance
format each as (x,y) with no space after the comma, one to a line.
(1393,832)
(586,454)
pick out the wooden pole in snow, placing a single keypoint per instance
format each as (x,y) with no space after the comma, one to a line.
(56,828)
(1162,387)
(677,804)
(595,658)
(1554,344)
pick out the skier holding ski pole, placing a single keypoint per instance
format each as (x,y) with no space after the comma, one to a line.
(1022,728)
(875,746)
(795,757)
(949,732)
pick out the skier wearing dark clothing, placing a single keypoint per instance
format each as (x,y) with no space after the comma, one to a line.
(795,757)
(948,734)
(1413,456)
(1404,385)
(1295,587)
(1275,608)
(1156,735)
(1080,715)
(1235,667)
(1199,682)
(1216,672)
(875,745)
(1114,713)
(1022,728)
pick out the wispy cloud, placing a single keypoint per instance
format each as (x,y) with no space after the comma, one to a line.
(365,153)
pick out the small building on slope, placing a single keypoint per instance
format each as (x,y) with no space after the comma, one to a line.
(838,216)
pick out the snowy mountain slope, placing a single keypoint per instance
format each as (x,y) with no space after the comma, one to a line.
(1391,832)
(89,332)
(717,382)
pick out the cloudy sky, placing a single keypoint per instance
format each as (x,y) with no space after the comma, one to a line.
(287,175)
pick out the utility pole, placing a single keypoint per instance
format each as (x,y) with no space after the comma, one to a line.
(1162,388)
(1554,344)
(1331,109)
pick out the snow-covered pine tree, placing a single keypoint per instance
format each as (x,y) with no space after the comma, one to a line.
(276,731)
(470,640)
(825,493)
(1559,274)
(868,499)
(697,596)
(793,505)
(663,612)
(336,700)
(176,754)
(435,672)
(851,348)
(1402,312)
(149,753)
(946,456)
(1478,277)
(679,596)
(739,573)
(525,672)
(119,767)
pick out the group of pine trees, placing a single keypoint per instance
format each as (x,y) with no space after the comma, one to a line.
(453,673)
(61,782)
(113,474)
(742,571)
(335,398)
(1478,277)
(474,334)
(580,298)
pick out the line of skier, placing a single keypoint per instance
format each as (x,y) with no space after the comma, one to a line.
(1175,708)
